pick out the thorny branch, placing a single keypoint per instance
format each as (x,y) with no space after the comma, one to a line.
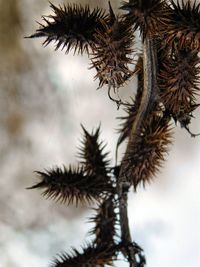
(149,94)
(168,84)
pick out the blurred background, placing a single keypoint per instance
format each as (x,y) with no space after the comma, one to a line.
(44,96)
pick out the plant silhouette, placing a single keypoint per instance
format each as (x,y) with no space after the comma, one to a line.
(168,71)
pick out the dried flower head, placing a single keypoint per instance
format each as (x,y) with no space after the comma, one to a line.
(91,153)
(184,29)
(72,185)
(71,26)
(146,154)
(149,16)
(179,84)
(90,257)
(112,53)
(105,223)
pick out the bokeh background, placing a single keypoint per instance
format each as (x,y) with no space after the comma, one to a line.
(44,96)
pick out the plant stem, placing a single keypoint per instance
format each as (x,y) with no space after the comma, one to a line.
(150,90)
(149,95)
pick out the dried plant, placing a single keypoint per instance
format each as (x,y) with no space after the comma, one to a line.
(112,52)
(168,83)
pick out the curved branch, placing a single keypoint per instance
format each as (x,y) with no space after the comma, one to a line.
(149,95)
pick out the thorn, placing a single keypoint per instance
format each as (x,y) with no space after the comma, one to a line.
(112,14)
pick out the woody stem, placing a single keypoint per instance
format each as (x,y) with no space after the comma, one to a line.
(147,101)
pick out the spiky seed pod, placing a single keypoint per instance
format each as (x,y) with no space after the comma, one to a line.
(179,84)
(184,29)
(105,223)
(149,16)
(91,257)
(71,26)
(72,185)
(91,153)
(145,156)
(131,109)
(112,54)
